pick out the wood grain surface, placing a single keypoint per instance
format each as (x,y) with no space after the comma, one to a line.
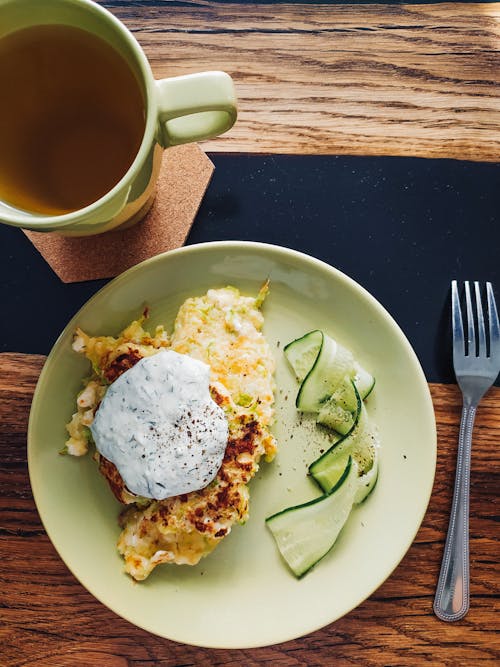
(386,79)
(49,620)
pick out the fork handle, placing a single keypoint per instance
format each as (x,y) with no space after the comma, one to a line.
(452,594)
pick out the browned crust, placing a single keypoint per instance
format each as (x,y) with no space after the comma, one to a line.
(122,363)
(114,479)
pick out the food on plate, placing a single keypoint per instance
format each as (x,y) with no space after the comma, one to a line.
(219,339)
(333,387)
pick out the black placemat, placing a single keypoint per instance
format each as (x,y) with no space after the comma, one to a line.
(401,227)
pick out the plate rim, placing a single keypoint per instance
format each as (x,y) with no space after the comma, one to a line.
(301,257)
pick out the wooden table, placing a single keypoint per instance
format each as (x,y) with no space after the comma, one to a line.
(416,80)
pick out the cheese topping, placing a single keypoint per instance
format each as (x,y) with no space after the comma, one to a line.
(159,426)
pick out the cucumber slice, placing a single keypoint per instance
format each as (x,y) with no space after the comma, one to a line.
(301,353)
(305,533)
(320,364)
(367,482)
(328,476)
(361,443)
(363,380)
(346,395)
(332,364)
(336,417)
(341,411)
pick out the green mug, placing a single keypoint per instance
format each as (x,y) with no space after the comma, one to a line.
(175,111)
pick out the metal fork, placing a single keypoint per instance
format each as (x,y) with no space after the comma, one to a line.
(476,369)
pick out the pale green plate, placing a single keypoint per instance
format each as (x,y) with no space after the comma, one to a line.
(243,595)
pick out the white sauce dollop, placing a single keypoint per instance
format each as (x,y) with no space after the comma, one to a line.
(158,424)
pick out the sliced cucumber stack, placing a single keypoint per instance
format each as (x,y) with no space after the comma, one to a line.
(332,363)
(361,443)
(333,386)
(320,364)
(306,533)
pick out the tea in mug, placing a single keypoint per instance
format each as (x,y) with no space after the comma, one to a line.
(72,118)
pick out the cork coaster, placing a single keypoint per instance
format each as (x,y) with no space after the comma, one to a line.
(184,176)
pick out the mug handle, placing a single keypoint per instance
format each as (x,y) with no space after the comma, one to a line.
(195,107)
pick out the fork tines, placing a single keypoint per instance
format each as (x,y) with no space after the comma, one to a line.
(486,344)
